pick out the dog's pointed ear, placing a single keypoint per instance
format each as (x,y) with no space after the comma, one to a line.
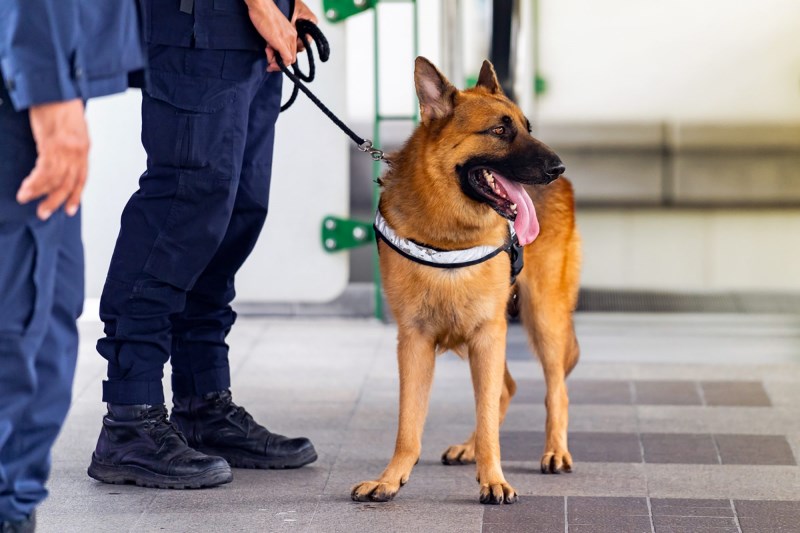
(436,94)
(488,78)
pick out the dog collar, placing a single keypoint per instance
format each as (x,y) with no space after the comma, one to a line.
(425,255)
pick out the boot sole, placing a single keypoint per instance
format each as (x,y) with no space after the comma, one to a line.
(136,475)
(246,460)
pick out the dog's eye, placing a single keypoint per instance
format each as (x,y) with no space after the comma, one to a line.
(499,130)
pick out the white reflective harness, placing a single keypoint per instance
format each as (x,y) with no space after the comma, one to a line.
(425,255)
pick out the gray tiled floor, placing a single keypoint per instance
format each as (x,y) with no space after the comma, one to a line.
(680,423)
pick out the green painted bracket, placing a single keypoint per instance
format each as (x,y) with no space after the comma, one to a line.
(539,84)
(342,233)
(338,10)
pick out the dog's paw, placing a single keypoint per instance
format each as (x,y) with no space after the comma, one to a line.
(555,462)
(374,491)
(459,454)
(497,493)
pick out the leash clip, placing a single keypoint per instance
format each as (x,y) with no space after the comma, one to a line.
(366,146)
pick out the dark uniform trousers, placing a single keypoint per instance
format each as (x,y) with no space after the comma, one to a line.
(208,130)
(41,273)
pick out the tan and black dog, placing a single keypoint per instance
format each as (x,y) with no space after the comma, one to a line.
(468,169)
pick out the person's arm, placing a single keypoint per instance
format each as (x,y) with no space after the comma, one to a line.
(276,29)
(38,50)
(38,59)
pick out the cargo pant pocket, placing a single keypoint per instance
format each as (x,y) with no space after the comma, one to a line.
(191,131)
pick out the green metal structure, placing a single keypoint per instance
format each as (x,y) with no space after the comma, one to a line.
(339,10)
(341,234)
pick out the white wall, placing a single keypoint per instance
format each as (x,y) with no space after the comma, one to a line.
(621,60)
(679,60)
(691,250)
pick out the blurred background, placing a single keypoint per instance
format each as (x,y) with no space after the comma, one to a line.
(678,122)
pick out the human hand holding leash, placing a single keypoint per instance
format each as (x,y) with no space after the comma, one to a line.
(62,142)
(276,29)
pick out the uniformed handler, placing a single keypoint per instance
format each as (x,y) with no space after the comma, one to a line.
(54,55)
(208,125)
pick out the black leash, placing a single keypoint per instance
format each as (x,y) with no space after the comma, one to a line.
(306,28)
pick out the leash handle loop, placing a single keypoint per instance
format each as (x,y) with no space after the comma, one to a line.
(304,29)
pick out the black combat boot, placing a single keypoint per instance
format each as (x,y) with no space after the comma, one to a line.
(213,424)
(139,445)
(23,526)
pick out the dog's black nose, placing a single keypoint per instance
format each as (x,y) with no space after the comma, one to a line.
(555,169)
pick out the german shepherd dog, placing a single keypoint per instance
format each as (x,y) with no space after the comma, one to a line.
(468,169)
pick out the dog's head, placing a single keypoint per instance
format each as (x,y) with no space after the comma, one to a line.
(482,140)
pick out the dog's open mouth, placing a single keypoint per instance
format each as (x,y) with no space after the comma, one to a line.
(509,199)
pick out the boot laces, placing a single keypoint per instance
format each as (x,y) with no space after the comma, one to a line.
(160,427)
(240,414)
(237,412)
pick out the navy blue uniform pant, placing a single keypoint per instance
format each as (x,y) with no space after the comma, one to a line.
(208,124)
(41,297)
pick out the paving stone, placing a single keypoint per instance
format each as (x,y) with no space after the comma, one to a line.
(336,382)
(690,507)
(594,392)
(605,447)
(518,350)
(777,516)
(752,482)
(695,529)
(679,448)
(755,450)
(618,479)
(666,393)
(628,524)
(543,514)
(584,446)
(601,515)
(694,521)
(779,524)
(735,393)
(521,445)
(584,510)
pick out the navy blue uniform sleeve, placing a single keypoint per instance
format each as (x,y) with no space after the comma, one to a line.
(38,45)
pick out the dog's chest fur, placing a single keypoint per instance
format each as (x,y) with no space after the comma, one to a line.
(449,305)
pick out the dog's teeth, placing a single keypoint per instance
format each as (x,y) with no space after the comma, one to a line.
(514,207)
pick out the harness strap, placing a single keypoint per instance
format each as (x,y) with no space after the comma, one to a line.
(425,255)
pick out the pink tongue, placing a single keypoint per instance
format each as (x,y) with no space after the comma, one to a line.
(526,224)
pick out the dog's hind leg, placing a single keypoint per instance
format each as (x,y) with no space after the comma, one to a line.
(486,361)
(548,293)
(461,454)
(416,359)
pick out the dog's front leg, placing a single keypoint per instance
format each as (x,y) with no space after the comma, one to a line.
(487,365)
(415,358)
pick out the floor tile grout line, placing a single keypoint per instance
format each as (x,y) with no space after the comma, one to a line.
(702,394)
(735,516)
(650,512)
(641,451)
